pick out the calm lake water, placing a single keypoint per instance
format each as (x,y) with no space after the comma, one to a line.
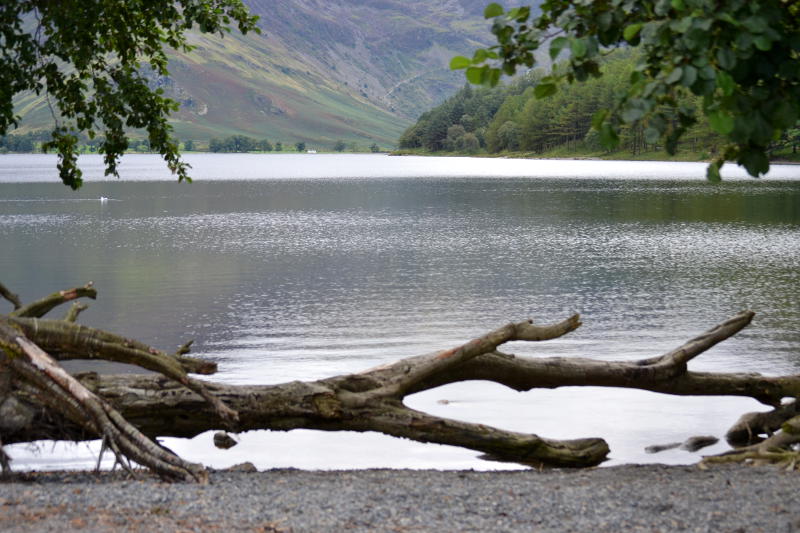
(286,267)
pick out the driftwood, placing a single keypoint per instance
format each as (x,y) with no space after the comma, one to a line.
(39,400)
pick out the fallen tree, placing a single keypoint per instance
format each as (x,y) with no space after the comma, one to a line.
(40,400)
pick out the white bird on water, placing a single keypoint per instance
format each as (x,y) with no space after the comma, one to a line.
(103,199)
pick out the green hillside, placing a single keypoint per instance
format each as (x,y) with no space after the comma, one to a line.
(319,72)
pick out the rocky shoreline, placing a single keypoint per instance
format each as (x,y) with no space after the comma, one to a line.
(631,498)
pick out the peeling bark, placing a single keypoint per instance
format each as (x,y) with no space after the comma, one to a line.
(125,410)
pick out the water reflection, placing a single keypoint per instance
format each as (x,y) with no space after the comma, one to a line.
(281,278)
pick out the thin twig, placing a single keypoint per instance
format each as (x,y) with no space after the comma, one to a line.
(10,296)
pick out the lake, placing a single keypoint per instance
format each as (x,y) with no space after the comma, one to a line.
(296,266)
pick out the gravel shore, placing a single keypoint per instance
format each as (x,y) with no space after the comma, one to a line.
(648,498)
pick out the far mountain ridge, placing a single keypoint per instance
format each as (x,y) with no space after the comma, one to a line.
(321,71)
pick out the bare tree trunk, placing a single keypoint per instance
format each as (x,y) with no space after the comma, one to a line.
(42,401)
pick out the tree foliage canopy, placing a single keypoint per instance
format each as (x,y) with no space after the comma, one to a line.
(509,117)
(740,57)
(85,57)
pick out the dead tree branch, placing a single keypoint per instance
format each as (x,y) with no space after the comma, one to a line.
(10,296)
(41,307)
(59,390)
(780,448)
(75,341)
(74,310)
(171,403)
(752,428)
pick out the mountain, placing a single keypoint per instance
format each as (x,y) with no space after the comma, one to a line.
(321,70)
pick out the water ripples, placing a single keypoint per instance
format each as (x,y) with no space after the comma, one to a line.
(285,279)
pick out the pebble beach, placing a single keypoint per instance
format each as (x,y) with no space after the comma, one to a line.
(630,498)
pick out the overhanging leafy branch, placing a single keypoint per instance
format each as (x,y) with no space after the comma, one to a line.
(85,56)
(740,57)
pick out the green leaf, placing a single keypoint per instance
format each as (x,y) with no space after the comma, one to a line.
(744,41)
(681,25)
(707,73)
(650,88)
(605,20)
(712,172)
(520,14)
(651,135)
(674,76)
(608,136)
(493,77)
(493,10)
(703,23)
(726,58)
(557,45)
(578,48)
(661,7)
(689,76)
(696,39)
(632,31)
(459,62)
(632,114)
(761,130)
(784,115)
(755,161)
(756,24)
(763,43)
(726,83)
(479,56)
(543,90)
(476,75)
(503,32)
(658,123)
(721,122)
(678,5)
(523,13)
(598,118)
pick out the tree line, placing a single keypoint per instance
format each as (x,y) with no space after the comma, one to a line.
(515,118)
(24,142)
(33,141)
(242,143)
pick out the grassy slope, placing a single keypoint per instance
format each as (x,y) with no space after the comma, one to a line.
(237,86)
(320,72)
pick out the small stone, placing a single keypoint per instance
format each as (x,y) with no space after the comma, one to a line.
(224,441)
(693,444)
(655,448)
(242,467)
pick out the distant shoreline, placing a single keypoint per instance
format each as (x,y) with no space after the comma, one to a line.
(401,153)
(685,158)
